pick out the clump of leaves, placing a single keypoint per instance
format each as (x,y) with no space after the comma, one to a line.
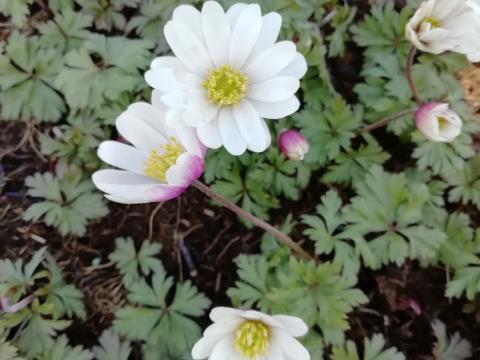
(449,348)
(466,183)
(7,350)
(18,10)
(107,14)
(374,349)
(68,201)
(102,70)
(52,299)
(317,293)
(27,74)
(132,264)
(112,347)
(158,315)
(74,142)
(61,350)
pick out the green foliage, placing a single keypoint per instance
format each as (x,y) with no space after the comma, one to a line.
(317,293)
(38,323)
(7,350)
(374,349)
(102,70)
(389,209)
(132,264)
(106,14)
(67,30)
(69,202)
(328,129)
(449,348)
(74,142)
(158,320)
(111,347)
(60,350)
(466,183)
(18,10)
(27,74)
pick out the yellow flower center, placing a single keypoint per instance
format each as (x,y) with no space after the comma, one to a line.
(432,21)
(158,163)
(225,86)
(442,123)
(253,339)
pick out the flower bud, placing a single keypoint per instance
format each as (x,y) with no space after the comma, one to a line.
(293,144)
(438,122)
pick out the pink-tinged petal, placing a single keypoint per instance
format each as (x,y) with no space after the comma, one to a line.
(293,144)
(220,313)
(187,169)
(122,156)
(133,188)
(438,122)
(292,324)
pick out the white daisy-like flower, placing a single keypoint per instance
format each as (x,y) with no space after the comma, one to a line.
(446,25)
(159,165)
(438,122)
(251,335)
(227,75)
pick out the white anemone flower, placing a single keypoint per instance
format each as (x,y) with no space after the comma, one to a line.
(159,165)
(438,122)
(227,75)
(251,335)
(446,25)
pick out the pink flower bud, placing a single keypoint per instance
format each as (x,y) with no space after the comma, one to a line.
(438,122)
(293,144)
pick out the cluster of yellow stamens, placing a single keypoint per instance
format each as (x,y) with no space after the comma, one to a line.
(252,339)
(158,163)
(432,21)
(442,123)
(225,86)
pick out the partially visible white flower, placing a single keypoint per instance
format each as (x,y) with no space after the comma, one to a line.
(446,25)
(227,75)
(293,144)
(438,122)
(160,165)
(251,335)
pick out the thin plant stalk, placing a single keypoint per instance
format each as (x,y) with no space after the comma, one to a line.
(280,236)
(385,121)
(409,74)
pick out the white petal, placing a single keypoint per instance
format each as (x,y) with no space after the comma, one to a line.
(250,124)
(153,116)
(293,325)
(129,201)
(275,352)
(122,156)
(224,349)
(163,79)
(274,90)
(233,13)
(189,140)
(297,68)
(220,313)
(271,61)
(188,48)
(264,318)
(139,133)
(190,16)
(276,110)
(232,139)
(217,32)
(291,347)
(204,347)
(174,99)
(245,35)
(170,62)
(271,24)
(209,135)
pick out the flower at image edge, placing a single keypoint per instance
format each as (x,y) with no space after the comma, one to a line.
(159,165)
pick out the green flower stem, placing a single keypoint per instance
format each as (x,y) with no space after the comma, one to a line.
(385,121)
(280,236)
(409,73)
